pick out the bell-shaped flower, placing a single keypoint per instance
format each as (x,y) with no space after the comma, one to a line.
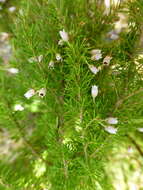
(94,91)
(96,54)
(13,70)
(42,92)
(51,65)
(58,57)
(29,93)
(107,60)
(112,120)
(140,130)
(18,107)
(64,35)
(93,69)
(35,59)
(12,9)
(111,129)
(60,42)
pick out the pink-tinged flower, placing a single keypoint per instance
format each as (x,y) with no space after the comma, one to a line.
(64,35)
(111,129)
(94,91)
(51,65)
(29,93)
(107,60)
(13,70)
(112,120)
(18,107)
(42,92)
(96,54)
(93,69)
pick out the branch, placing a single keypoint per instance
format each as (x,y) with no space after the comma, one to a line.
(136,145)
(22,133)
(120,102)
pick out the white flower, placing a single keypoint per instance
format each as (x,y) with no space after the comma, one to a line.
(18,107)
(111,129)
(94,91)
(35,59)
(4,36)
(40,57)
(12,9)
(112,120)
(60,42)
(2,1)
(93,69)
(42,92)
(51,65)
(96,54)
(78,128)
(95,51)
(140,130)
(113,35)
(32,59)
(13,70)
(29,93)
(107,60)
(58,57)
(64,35)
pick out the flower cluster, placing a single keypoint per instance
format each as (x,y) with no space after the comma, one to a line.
(58,58)
(111,121)
(96,54)
(41,93)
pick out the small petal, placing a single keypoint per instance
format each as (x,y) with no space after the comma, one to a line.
(64,35)
(51,65)
(42,92)
(58,57)
(18,107)
(94,91)
(13,70)
(112,120)
(93,69)
(107,60)
(29,93)
(140,130)
(111,130)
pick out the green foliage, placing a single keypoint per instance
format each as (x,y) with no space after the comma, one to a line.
(60,142)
